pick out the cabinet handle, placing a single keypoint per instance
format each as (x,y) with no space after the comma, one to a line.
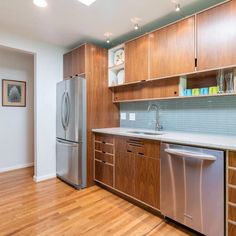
(103,152)
(140,153)
(129,151)
(103,142)
(104,162)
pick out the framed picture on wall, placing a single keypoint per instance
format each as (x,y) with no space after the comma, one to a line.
(13,93)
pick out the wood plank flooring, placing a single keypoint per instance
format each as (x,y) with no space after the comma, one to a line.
(54,208)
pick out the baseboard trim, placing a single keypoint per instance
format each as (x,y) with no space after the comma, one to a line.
(11,168)
(38,179)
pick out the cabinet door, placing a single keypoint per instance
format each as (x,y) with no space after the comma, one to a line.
(147,180)
(104,172)
(172,49)
(216,37)
(67,65)
(124,168)
(78,60)
(136,60)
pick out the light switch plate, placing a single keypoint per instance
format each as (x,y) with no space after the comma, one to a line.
(132,116)
(123,116)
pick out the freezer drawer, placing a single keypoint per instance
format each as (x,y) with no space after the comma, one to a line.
(192,187)
(69,162)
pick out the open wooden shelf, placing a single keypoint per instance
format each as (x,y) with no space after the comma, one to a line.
(117,67)
(191,75)
(177,97)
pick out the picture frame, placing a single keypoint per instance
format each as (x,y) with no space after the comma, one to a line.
(13,93)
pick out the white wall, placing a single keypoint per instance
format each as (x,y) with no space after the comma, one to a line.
(48,71)
(17,124)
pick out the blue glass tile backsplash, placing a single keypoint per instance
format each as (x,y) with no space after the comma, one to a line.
(211,115)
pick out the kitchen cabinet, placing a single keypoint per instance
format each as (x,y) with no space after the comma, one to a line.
(74,62)
(67,65)
(136,168)
(136,59)
(104,172)
(172,49)
(104,159)
(124,167)
(216,37)
(147,184)
(231,193)
(78,60)
(145,91)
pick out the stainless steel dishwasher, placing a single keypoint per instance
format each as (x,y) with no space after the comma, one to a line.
(192,187)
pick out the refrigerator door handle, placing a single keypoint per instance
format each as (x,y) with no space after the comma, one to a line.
(68,144)
(67,109)
(63,111)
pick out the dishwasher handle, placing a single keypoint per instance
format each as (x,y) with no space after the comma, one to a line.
(188,154)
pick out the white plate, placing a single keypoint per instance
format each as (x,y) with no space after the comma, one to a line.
(119,57)
(121,77)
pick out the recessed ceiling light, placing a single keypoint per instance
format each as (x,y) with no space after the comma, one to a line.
(136,27)
(108,36)
(87,2)
(177,7)
(40,3)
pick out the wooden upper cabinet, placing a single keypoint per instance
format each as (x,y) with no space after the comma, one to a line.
(78,60)
(172,49)
(136,60)
(74,62)
(67,65)
(216,37)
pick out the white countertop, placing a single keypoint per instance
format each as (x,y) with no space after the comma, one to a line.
(226,142)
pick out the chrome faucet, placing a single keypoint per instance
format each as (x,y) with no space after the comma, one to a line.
(158,126)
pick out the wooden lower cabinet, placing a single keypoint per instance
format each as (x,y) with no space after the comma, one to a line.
(147,180)
(124,172)
(231,192)
(136,168)
(104,173)
(231,229)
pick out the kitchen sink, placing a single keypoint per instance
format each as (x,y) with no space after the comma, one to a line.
(144,133)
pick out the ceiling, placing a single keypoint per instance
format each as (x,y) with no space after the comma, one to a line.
(68,22)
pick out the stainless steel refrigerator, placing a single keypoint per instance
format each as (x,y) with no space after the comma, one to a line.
(71,132)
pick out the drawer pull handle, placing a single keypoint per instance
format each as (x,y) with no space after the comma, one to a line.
(129,151)
(135,145)
(104,162)
(103,142)
(103,152)
(140,153)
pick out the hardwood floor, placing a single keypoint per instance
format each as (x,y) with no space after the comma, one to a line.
(53,208)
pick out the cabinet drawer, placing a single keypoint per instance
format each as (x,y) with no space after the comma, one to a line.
(105,148)
(232,159)
(232,213)
(232,195)
(144,147)
(104,157)
(231,229)
(104,173)
(232,177)
(104,138)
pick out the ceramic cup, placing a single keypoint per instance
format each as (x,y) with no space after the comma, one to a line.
(204,91)
(196,92)
(188,92)
(213,90)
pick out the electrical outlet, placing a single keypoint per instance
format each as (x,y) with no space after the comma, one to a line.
(132,116)
(123,116)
